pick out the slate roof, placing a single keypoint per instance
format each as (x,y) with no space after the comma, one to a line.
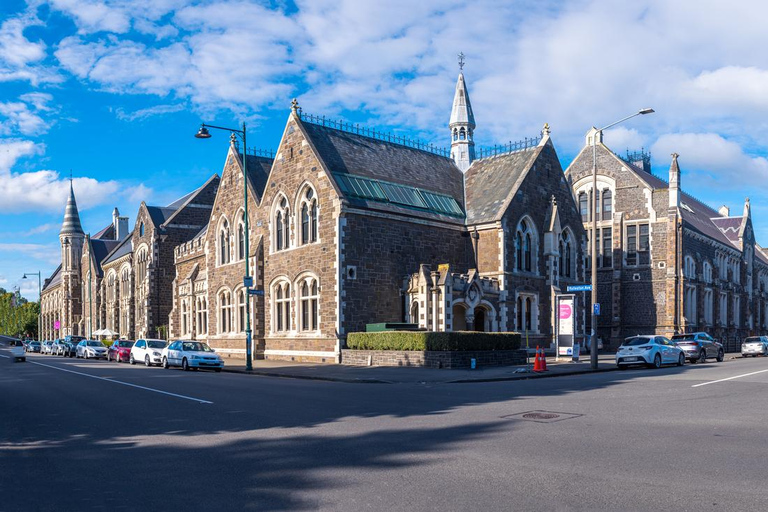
(161,214)
(120,250)
(491,181)
(258,172)
(71,224)
(730,227)
(108,232)
(101,248)
(350,153)
(54,280)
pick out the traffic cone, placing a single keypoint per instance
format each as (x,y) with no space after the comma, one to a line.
(537,362)
(543,361)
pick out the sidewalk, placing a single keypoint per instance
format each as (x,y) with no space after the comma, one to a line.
(414,375)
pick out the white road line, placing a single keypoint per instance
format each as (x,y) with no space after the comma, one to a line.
(729,378)
(124,383)
(7,357)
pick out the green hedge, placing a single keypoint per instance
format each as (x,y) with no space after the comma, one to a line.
(425,340)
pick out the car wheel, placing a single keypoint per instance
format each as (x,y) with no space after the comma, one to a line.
(146,361)
(184,365)
(218,370)
(165,363)
(108,357)
(721,356)
(657,361)
(131,359)
(702,356)
(85,355)
(119,358)
(681,360)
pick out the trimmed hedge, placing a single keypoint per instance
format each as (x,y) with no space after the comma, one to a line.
(427,340)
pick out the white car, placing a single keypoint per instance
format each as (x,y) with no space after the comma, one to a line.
(88,349)
(147,351)
(17,350)
(650,350)
(755,346)
(191,354)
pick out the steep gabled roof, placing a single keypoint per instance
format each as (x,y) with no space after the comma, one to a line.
(160,214)
(259,168)
(350,153)
(54,280)
(107,232)
(491,182)
(123,248)
(101,248)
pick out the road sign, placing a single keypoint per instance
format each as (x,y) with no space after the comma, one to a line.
(253,291)
(580,288)
(597,309)
(248,281)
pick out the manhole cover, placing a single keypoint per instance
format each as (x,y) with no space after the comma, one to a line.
(542,416)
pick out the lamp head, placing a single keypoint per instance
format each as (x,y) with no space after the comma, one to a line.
(646,111)
(25,276)
(203,133)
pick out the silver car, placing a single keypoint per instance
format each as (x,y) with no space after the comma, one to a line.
(755,346)
(88,349)
(699,346)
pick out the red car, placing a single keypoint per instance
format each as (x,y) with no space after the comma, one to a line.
(120,351)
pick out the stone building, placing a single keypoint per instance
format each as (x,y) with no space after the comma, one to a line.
(342,216)
(667,263)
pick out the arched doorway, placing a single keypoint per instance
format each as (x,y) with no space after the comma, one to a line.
(479,320)
(459,317)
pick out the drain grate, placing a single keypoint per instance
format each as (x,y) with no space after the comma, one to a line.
(542,416)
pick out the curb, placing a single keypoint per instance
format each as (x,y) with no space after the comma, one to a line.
(306,377)
(532,376)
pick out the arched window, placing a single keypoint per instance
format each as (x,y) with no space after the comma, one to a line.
(142,263)
(141,229)
(241,238)
(583,206)
(561,258)
(241,309)
(527,252)
(528,313)
(184,326)
(455,134)
(519,247)
(202,315)
(225,311)
(415,312)
(282,224)
(309,304)
(607,204)
(281,297)
(224,243)
(308,216)
(565,250)
(690,268)
(526,246)
(462,134)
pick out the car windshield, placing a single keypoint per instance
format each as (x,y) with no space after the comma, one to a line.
(35,343)
(126,344)
(195,346)
(76,339)
(156,344)
(93,343)
(753,340)
(684,337)
(631,342)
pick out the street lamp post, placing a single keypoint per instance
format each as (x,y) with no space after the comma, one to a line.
(247,280)
(40,303)
(593,241)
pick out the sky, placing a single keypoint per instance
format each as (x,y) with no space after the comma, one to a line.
(113,92)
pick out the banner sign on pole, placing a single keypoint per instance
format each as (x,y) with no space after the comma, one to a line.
(597,309)
(566,309)
(57,324)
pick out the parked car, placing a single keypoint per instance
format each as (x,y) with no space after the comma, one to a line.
(755,346)
(33,346)
(147,351)
(120,351)
(47,347)
(650,350)
(191,354)
(71,341)
(88,349)
(699,346)
(59,347)
(17,350)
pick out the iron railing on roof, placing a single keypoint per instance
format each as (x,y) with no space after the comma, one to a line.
(265,153)
(373,134)
(509,147)
(633,157)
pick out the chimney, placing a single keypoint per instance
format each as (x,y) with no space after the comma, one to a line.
(120,225)
(674,183)
(724,211)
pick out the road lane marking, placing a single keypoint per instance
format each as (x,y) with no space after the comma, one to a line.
(729,378)
(124,383)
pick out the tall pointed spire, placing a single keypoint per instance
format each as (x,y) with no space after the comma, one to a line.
(71,225)
(462,123)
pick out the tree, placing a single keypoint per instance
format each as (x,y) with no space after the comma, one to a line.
(18,317)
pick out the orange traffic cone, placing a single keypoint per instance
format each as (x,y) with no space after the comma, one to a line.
(543,361)
(537,362)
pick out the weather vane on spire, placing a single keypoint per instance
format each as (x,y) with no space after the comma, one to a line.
(461,61)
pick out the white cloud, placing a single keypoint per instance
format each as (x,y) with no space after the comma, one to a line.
(713,158)
(20,58)
(144,113)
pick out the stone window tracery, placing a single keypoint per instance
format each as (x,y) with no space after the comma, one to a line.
(225,311)
(308,217)
(281,306)
(526,247)
(308,304)
(223,242)
(241,237)
(282,223)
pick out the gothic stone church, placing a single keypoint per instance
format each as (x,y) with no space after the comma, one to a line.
(350,226)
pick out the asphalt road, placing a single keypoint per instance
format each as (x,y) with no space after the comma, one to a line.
(89,435)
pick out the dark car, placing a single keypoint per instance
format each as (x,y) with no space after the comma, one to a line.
(70,345)
(33,346)
(699,346)
(120,351)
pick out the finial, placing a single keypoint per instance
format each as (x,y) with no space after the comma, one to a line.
(553,200)
(545,131)
(461,61)
(294,106)
(674,156)
(233,138)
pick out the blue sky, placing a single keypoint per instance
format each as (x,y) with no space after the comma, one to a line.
(114,91)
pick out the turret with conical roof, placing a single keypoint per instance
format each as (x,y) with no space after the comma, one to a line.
(71,235)
(462,124)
